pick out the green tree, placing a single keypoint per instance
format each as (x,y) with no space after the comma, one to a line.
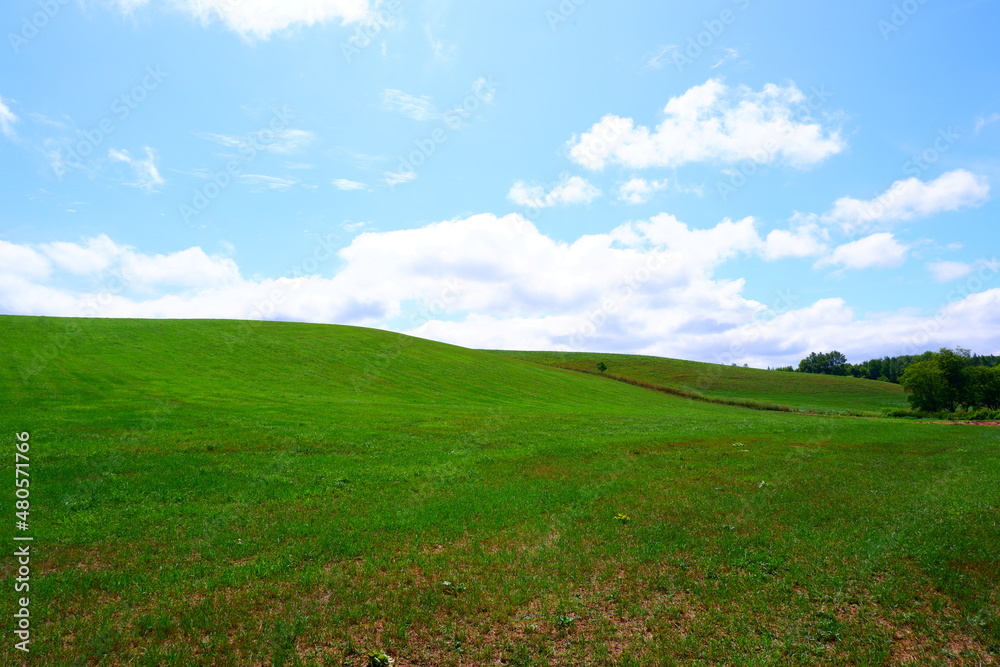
(927,386)
(952,364)
(601,366)
(983,386)
(829,363)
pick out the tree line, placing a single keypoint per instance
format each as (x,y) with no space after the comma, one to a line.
(946,380)
(886,369)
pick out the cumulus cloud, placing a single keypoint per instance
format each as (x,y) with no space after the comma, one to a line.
(147,176)
(807,240)
(880,250)
(911,199)
(640,190)
(261,18)
(945,272)
(647,287)
(569,190)
(717,124)
(22,261)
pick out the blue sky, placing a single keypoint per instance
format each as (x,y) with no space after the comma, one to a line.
(735,181)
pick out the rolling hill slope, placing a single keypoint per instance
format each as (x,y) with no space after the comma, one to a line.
(799,390)
(227,493)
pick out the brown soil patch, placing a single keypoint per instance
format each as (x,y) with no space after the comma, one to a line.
(958,423)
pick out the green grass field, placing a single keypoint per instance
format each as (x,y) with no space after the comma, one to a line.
(227,493)
(802,391)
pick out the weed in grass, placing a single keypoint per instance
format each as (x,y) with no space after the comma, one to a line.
(451,588)
(379,659)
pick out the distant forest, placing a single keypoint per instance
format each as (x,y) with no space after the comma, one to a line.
(886,369)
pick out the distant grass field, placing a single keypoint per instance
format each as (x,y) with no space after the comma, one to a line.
(226,493)
(804,391)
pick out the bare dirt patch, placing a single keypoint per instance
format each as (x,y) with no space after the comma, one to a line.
(968,423)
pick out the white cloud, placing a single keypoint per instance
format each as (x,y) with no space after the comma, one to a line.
(260,182)
(729,54)
(944,272)
(911,199)
(640,190)
(7,120)
(111,267)
(983,121)
(880,250)
(261,18)
(644,287)
(345,184)
(714,123)
(22,261)
(418,108)
(569,190)
(655,59)
(393,178)
(147,176)
(93,256)
(284,141)
(805,240)
(187,268)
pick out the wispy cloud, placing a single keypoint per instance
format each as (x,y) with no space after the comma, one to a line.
(983,121)
(7,120)
(418,108)
(730,54)
(658,58)
(440,49)
(345,184)
(259,182)
(392,178)
(273,141)
(147,175)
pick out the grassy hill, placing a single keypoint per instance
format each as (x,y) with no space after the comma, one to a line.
(227,493)
(803,391)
